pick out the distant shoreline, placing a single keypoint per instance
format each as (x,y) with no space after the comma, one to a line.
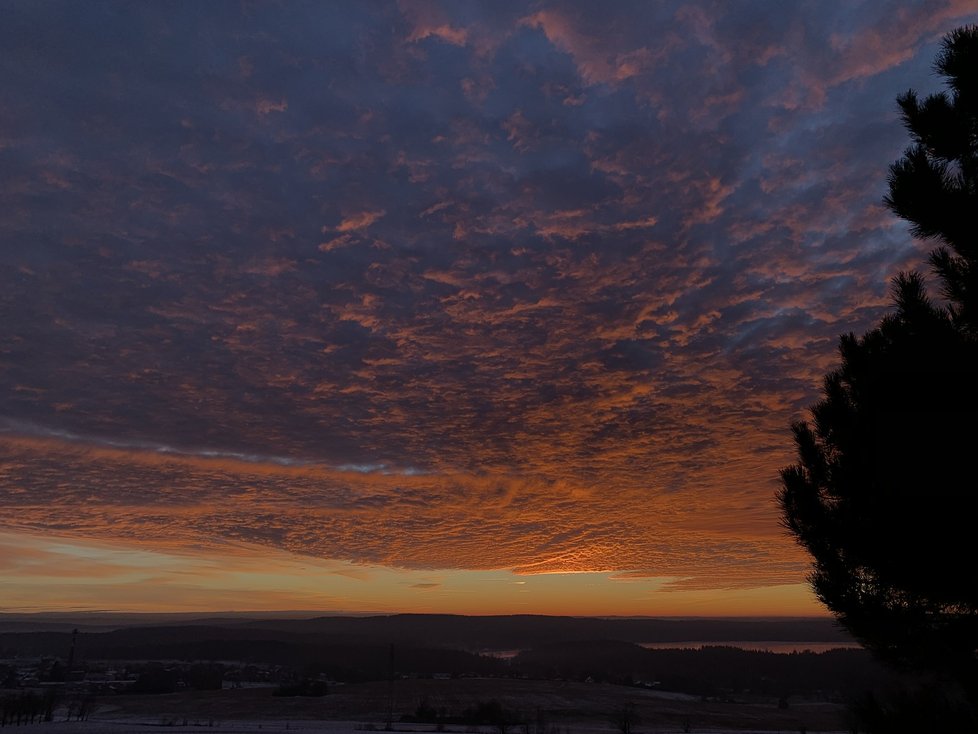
(776,646)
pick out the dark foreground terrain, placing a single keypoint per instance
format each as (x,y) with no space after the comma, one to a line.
(498,675)
(542,707)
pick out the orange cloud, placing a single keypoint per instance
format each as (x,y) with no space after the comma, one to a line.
(359,221)
(177,502)
(267,106)
(429,21)
(598,62)
(446,33)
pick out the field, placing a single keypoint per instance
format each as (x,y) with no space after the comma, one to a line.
(549,707)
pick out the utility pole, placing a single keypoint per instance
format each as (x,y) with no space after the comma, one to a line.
(71,654)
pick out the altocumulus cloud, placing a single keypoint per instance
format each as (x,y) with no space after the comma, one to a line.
(530,286)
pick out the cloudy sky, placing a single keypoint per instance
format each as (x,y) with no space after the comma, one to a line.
(432,306)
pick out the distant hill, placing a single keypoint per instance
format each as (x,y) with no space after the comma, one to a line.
(343,659)
(565,648)
(473,633)
(710,671)
(523,631)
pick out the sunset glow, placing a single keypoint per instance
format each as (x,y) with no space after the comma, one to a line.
(431,306)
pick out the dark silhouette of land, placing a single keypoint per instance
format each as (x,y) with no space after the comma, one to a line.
(447,670)
(467,632)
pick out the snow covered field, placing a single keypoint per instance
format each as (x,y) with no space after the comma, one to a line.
(554,707)
(123,726)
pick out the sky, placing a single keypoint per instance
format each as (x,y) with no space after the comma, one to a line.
(471,307)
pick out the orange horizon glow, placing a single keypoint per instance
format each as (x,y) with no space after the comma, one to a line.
(67,574)
(533,526)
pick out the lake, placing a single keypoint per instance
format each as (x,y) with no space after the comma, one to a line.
(778,646)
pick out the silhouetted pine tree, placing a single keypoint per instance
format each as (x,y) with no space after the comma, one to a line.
(935,185)
(885,493)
